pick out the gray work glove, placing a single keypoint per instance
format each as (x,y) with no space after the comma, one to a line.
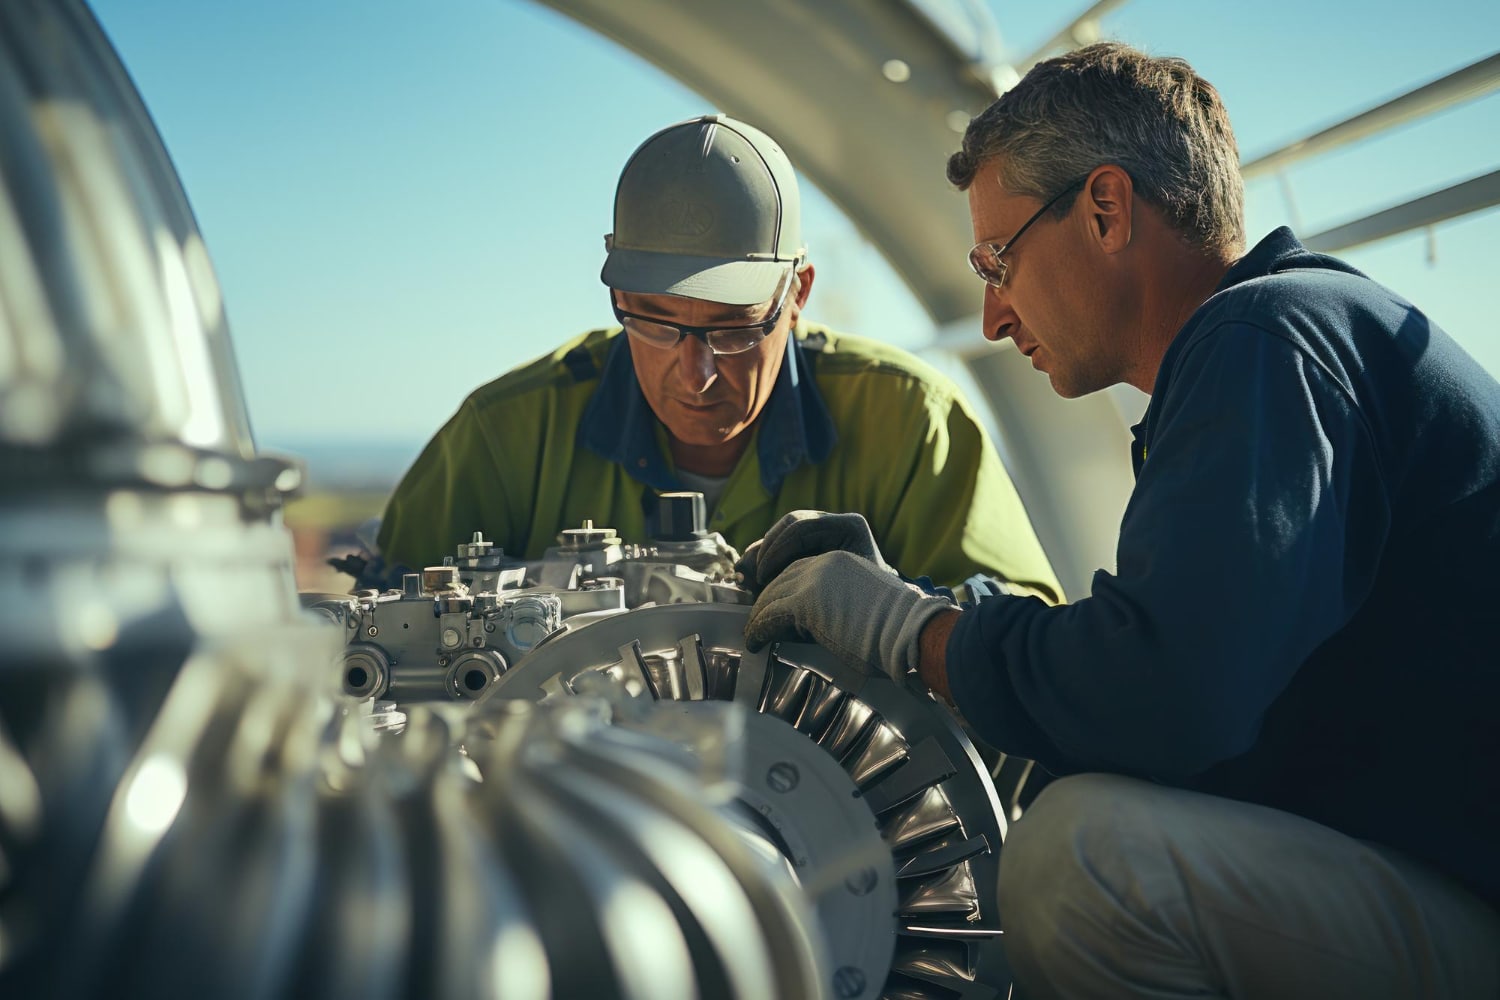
(857,610)
(804,533)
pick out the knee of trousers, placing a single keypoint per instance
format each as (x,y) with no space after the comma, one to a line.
(1073,857)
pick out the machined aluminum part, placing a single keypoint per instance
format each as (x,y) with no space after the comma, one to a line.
(423,646)
(908,773)
(452,630)
(657,573)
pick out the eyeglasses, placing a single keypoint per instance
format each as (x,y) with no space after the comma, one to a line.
(986,258)
(720,339)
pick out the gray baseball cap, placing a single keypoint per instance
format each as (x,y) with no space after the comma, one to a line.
(707,209)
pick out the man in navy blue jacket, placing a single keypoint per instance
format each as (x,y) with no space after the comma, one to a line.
(1280,711)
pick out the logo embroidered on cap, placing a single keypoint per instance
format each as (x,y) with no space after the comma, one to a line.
(687,218)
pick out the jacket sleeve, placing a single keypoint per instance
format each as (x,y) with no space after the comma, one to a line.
(453,489)
(955,512)
(1254,532)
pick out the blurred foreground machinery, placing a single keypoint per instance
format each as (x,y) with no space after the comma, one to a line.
(185,810)
(237,836)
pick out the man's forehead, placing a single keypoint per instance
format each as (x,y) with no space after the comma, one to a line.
(989,183)
(993,206)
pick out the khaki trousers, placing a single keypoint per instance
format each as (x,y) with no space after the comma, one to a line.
(1112,888)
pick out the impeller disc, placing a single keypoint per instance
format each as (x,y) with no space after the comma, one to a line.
(909,769)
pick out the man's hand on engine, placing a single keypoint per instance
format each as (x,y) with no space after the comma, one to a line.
(860,611)
(804,533)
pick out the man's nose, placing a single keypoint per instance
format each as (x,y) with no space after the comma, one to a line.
(1000,320)
(696,361)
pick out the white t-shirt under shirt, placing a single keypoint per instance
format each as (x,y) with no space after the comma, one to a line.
(712,487)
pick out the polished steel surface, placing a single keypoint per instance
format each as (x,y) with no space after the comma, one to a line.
(112,318)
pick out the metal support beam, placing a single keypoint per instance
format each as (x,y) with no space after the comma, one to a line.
(1083,30)
(1069,459)
(868,99)
(1473,81)
(1470,196)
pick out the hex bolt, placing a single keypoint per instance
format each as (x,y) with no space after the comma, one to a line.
(372,630)
(862,882)
(848,983)
(783,776)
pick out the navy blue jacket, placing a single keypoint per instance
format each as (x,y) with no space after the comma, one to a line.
(1306,612)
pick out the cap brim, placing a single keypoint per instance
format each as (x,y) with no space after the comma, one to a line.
(733,282)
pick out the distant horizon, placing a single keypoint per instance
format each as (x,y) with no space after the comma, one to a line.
(284,442)
(346,464)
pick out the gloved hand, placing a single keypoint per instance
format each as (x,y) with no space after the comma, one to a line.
(861,612)
(804,533)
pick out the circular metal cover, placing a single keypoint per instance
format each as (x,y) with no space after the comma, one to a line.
(908,763)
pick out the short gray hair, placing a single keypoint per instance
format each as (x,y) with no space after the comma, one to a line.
(1110,103)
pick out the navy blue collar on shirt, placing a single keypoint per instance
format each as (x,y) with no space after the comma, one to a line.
(1279,250)
(619,426)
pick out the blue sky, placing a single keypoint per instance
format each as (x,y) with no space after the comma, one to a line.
(404,200)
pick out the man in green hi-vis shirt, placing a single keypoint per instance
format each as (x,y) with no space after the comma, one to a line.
(717,384)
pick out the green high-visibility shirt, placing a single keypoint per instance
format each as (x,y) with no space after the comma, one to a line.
(851,425)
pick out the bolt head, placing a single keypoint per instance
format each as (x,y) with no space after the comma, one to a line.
(848,983)
(783,776)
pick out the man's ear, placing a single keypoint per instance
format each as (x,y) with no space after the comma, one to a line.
(805,275)
(1109,202)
